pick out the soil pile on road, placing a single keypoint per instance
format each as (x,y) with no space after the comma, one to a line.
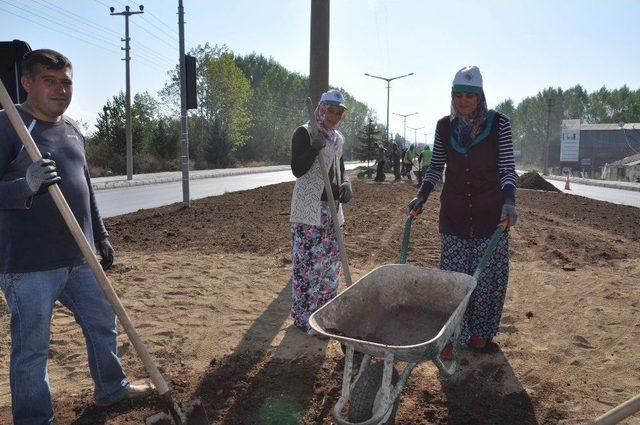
(208,290)
(533,180)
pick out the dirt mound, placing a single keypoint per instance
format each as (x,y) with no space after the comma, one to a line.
(533,180)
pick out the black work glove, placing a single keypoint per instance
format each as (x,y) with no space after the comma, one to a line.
(417,203)
(346,192)
(509,211)
(41,174)
(318,141)
(106,253)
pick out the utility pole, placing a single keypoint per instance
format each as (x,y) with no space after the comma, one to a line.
(404,136)
(184,134)
(388,80)
(546,139)
(319,49)
(127,58)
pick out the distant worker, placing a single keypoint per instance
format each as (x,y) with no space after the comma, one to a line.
(315,256)
(407,161)
(40,262)
(479,192)
(396,159)
(381,159)
(424,159)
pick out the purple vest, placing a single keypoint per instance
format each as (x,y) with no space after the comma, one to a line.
(471,199)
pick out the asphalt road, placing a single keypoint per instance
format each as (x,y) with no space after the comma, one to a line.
(128,199)
(124,200)
(616,196)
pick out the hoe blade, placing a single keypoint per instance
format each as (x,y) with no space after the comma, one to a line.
(192,413)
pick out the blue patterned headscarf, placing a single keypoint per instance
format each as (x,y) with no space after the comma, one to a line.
(467,128)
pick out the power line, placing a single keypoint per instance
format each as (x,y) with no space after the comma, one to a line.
(170,34)
(75,16)
(82,20)
(162,31)
(56,30)
(103,3)
(78,34)
(82,36)
(162,22)
(153,35)
(121,3)
(47,19)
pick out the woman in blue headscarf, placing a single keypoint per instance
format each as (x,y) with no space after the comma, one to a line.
(476,146)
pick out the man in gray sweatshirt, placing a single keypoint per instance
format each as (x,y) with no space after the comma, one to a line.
(40,263)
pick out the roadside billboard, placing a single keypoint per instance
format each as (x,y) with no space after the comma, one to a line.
(570,141)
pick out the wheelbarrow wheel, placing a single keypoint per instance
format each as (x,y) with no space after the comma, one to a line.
(364,394)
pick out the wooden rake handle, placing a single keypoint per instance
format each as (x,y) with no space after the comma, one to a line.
(83,244)
(332,203)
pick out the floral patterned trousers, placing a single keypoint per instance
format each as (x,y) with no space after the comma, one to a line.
(315,261)
(484,311)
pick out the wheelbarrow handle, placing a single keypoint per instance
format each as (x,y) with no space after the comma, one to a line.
(503,226)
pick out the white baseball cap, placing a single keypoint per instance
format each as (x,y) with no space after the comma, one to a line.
(333,97)
(468,80)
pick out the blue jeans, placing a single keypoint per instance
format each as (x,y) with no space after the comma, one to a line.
(31,297)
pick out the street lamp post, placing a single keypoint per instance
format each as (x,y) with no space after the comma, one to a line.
(404,135)
(415,133)
(388,80)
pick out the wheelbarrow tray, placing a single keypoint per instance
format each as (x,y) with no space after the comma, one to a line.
(402,309)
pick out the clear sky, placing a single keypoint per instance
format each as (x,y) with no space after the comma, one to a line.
(521,46)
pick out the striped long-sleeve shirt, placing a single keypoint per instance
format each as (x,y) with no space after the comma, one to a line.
(506,162)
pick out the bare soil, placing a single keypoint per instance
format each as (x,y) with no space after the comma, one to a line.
(207,288)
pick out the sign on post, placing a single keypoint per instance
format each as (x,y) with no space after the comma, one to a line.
(570,141)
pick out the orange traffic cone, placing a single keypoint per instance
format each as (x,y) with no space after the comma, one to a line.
(567,186)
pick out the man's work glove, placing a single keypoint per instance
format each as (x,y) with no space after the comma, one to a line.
(41,174)
(509,211)
(318,142)
(417,203)
(106,253)
(346,192)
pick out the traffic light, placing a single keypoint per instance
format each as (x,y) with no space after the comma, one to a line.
(11,54)
(190,79)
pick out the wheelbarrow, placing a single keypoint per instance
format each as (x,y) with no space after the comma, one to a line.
(399,313)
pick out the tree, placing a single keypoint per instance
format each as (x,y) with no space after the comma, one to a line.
(369,138)
(506,107)
(225,107)
(107,147)
(353,120)
(219,126)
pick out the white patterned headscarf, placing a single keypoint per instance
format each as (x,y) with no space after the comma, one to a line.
(329,132)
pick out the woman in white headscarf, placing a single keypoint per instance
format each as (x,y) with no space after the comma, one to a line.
(315,256)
